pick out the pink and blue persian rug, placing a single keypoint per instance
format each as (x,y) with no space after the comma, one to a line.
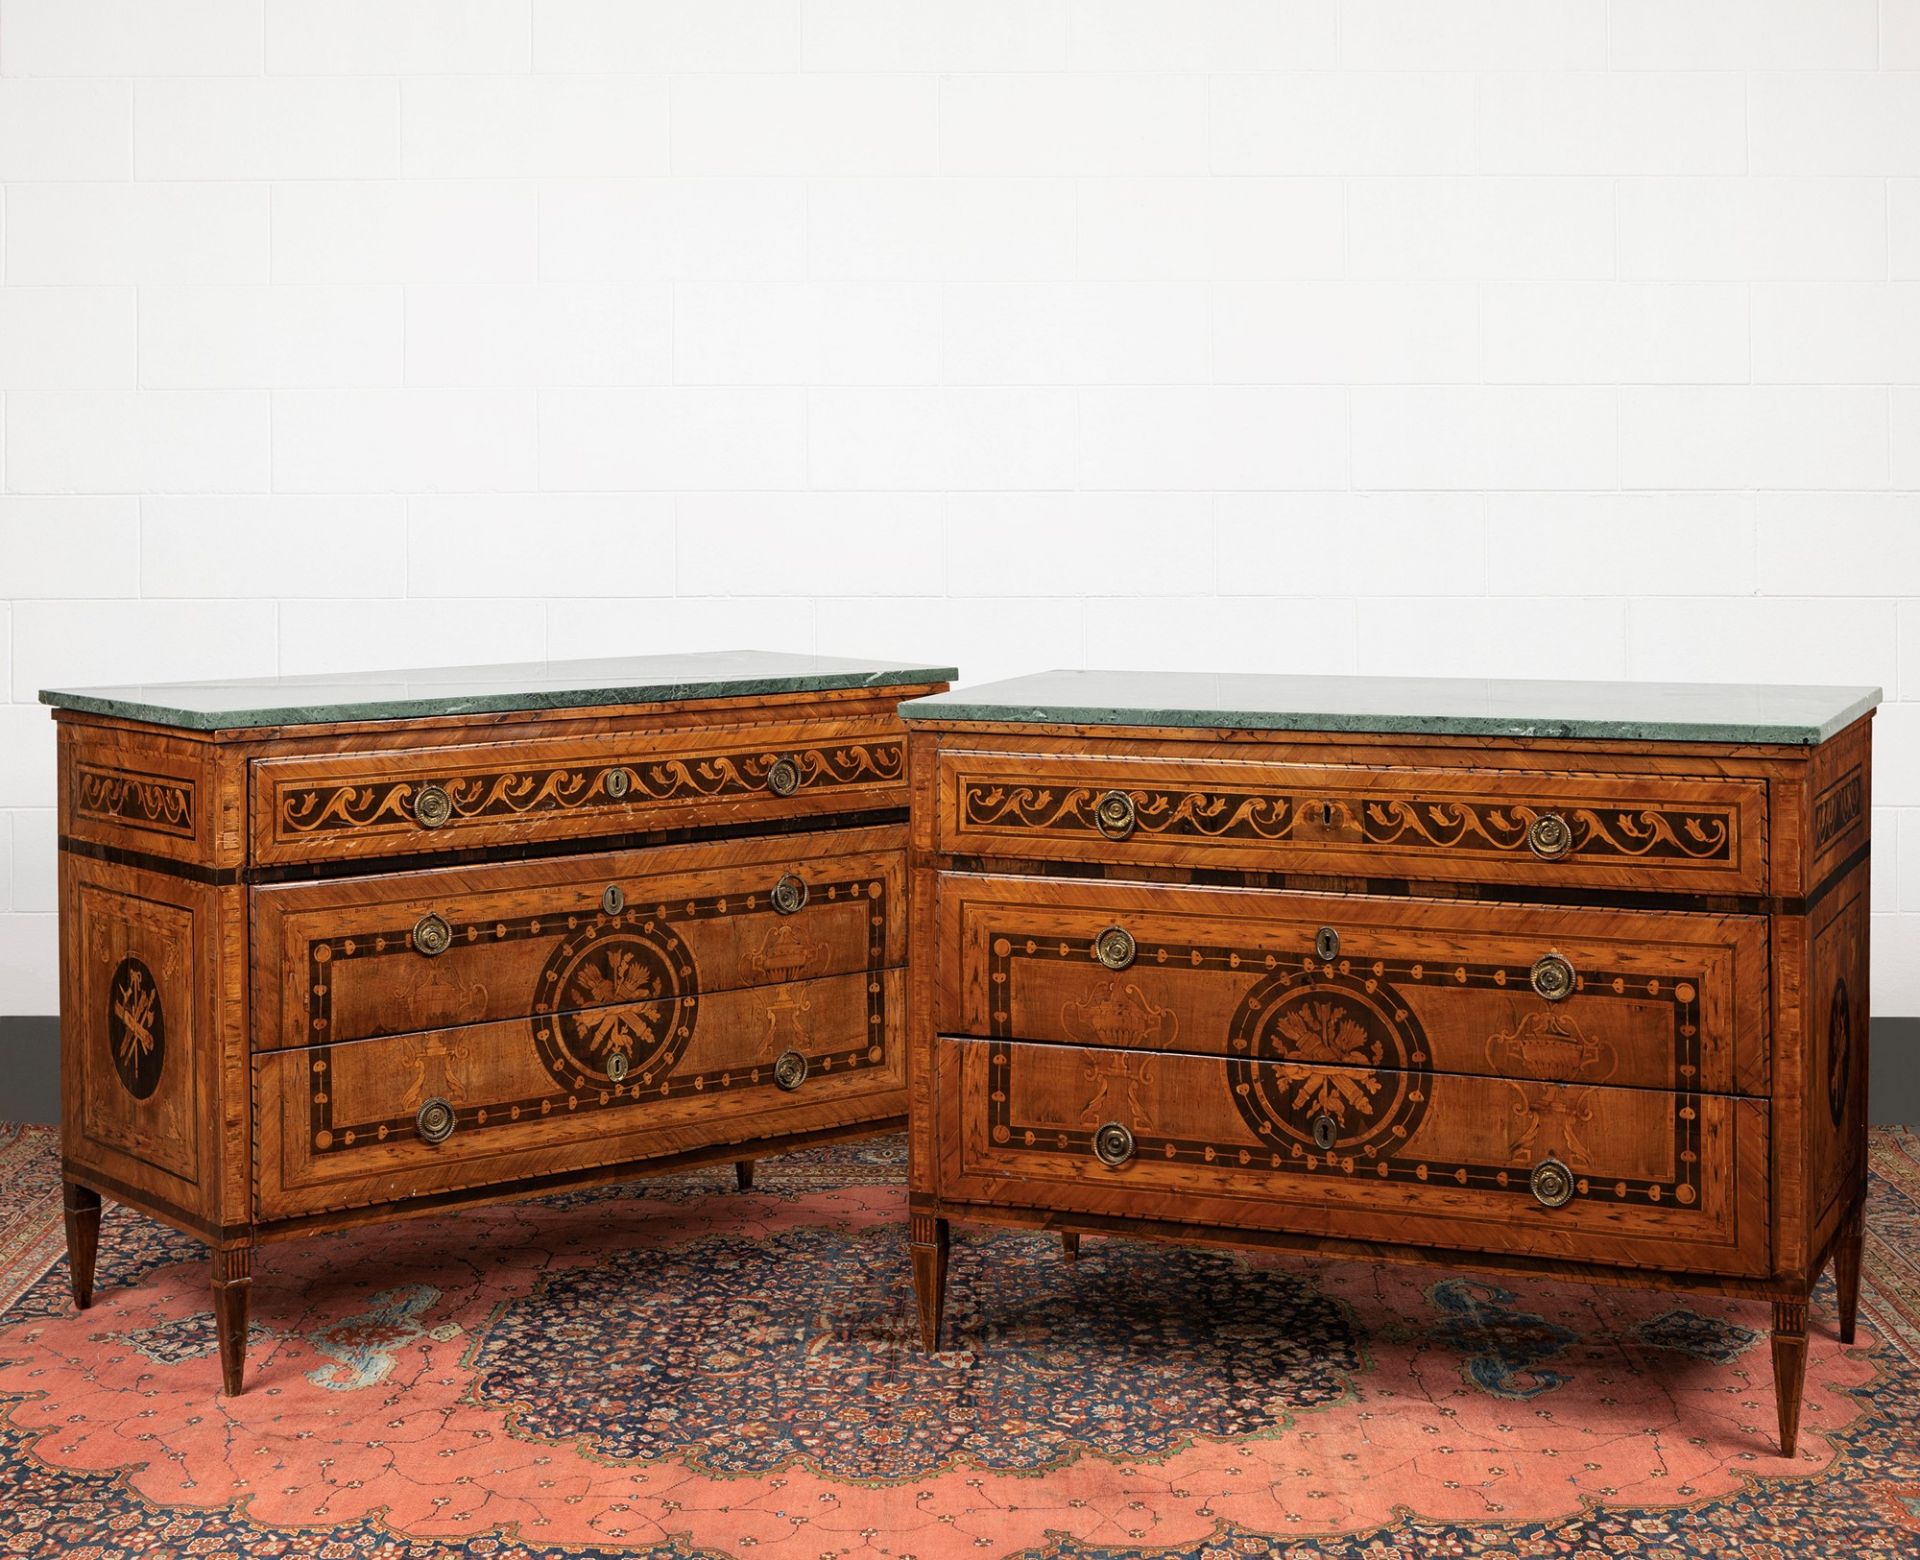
(677,1371)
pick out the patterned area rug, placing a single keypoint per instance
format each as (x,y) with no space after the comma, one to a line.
(672,1369)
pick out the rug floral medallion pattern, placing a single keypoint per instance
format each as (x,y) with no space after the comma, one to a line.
(675,1371)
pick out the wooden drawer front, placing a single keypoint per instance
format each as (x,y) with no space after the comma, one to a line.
(1626,831)
(365,804)
(337,1126)
(1661,1000)
(1661,1180)
(338,960)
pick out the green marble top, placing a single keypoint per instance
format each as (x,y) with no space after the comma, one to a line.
(1449,706)
(477,690)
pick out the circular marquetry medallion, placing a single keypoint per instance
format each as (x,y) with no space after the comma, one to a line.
(1839,1052)
(136,1028)
(627,991)
(1313,1048)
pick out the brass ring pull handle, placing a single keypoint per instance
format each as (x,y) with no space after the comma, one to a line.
(1552,977)
(617,1068)
(1550,837)
(618,782)
(1552,1184)
(1325,1132)
(432,936)
(1114,815)
(1115,947)
(1113,1145)
(789,894)
(432,807)
(614,900)
(783,775)
(434,1121)
(1326,944)
(790,1070)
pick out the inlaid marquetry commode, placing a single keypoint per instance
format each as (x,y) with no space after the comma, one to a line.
(334,950)
(1559,977)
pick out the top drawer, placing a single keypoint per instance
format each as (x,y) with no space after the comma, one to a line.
(1643,831)
(375,802)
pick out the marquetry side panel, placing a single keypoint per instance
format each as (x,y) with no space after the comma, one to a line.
(1834,1015)
(140,964)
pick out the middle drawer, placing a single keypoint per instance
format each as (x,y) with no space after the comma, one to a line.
(352,958)
(1648,999)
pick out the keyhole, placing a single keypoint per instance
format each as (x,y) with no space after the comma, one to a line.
(1326,815)
(1325,1130)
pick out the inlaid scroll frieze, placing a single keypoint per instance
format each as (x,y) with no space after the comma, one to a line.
(1838,808)
(1689,835)
(160,804)
(1600,831)
(510,794)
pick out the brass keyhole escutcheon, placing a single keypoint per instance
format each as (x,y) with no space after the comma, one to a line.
(1114,947)
(1113,1145)
(1552,1184)
(1114,815)
(790,1070)
(789,894)
(1327,944)
(1326,1132)
(1550,837)
(619,781)
(617,1067)
(614,900)
(434,1121)
(432,936)
(1552,977)
(783,776)
(432,807)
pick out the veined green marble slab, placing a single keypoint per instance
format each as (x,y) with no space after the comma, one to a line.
(1427,706)
(479,690)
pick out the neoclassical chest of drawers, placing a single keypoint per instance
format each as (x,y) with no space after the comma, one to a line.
(1559,977)
(338,950)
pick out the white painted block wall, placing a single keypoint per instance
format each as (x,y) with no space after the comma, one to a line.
(1541,337)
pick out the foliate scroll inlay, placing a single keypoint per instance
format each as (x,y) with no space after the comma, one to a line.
(511,794)
(1662,834)
(1598,830)
(158,804)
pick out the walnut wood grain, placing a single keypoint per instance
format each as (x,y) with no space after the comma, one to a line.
(336,960)
(1662,1001)
(337,1127)
(1661,1180)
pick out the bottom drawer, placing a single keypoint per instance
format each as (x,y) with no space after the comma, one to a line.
(1657,1180)
(358,1123)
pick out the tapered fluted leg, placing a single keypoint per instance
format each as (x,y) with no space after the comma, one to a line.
(743,1174)
(1846,1270)
(82,1208)
(232,1284)
(929,1275)
(1070,1244)
(1789,1367)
